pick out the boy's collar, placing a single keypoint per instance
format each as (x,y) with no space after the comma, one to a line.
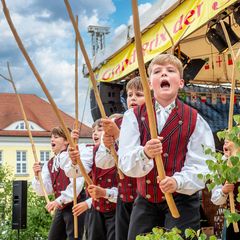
(169,108)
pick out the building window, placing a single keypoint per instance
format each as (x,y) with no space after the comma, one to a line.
(1,157)
(21,167)
(44,156)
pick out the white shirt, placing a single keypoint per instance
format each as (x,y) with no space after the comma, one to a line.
(134,163)
(86,156)
(218,197)
(104,158)
(66,195)
(111,196)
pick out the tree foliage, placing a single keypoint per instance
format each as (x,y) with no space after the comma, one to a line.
(38,220)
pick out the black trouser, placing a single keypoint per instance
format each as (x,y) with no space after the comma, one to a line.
(101,226)
(146,215)
(123,214)
(230,234)
(62,226)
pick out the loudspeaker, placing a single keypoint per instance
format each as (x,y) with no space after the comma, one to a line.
(111,99)
(19,206)
(192,69)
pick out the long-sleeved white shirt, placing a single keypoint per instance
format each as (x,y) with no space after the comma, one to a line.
(218,197)
(86,156)
(66,195)
(134,163)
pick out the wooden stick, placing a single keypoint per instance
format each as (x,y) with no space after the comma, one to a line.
(93,80)
(44,88)
(29,133)
(230,117)
(75,218)
(149,106)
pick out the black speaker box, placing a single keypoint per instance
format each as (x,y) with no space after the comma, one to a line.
(110,96)
(192,69)
(19,206)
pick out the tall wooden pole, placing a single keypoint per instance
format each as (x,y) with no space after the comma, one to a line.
(149,106)
(230,116)
(44,88)
(92,78)
(76,127)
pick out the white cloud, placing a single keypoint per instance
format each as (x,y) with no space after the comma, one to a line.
(142,8)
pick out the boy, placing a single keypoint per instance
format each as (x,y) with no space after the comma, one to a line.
(183,132)
(127,186)
(220,194)
(103,192)
(55,181)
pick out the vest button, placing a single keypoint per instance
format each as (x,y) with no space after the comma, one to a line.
(121,195)
(165,155)
(131,196)
(148,181)
(54,185)
(58,184)
(148,196)
(107,202)
(129,184)
(107,209)
(109,180)
(142,118)
(98,208)
(180,122)
(100,178)
(97,200)
(120,184)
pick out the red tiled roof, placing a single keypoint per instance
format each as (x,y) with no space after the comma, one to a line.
(37,110)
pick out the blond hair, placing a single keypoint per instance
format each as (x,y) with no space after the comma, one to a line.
(163,59)
(134,83)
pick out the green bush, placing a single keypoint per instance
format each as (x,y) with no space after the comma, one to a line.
(38,219)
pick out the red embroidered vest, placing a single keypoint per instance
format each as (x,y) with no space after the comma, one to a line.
(59,180)
(176,133)
(127,187)
(105,178)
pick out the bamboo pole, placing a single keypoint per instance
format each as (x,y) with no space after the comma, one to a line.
(29,132)
(230,116)
(92,77)
(75,218)
(149,106)
(44,88)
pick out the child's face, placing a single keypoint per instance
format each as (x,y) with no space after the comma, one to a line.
(96,134)
(135,98)
(165,81)
(58,143)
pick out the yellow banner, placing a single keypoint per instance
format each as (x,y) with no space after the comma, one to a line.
(190,15)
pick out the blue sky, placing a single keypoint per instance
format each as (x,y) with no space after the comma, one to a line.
(48,36)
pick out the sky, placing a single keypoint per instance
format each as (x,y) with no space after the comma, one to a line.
(48,36)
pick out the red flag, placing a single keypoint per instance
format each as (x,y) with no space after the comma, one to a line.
(193,97)
(206,66)
(223,98)
(230,61)
(203,98)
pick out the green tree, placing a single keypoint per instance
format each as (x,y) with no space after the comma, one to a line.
(38,219)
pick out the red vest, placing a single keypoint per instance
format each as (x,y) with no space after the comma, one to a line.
(127,187)
(59,180)
(176,133)
(105,178)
